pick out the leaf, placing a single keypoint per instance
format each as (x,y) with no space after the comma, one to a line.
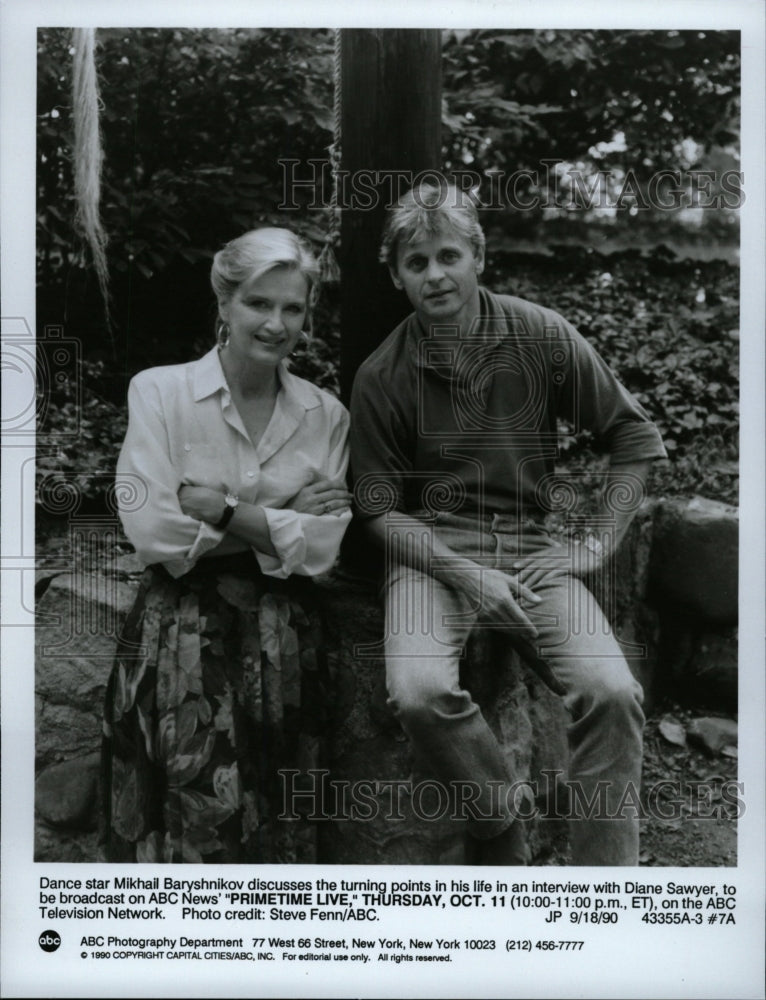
(176,728)
(227,785)
(238,591)
(672,824)
(673,732)
(204,711)
(202,810)
(291,668)
(189,656)
(188,818)
(670,42)
(171,689)
(127,818)
(154,849)
(323,118)
(144,715)
(290,115)
(250,817)
(127,687)
(202,840)
(189,761)
(224,718)
(185,851)
(269,622)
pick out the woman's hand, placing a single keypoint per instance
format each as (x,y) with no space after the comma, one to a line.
(202,503)
(324,496)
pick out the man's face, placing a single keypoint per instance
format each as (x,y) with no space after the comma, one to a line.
(440,277)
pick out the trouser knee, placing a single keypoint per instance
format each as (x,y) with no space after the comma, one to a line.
(425,701)
(615,697)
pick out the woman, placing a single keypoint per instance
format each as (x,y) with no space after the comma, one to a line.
(219,679)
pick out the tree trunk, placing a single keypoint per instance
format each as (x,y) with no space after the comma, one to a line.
(390,132)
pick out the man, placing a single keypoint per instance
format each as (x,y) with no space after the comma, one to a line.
(453,441)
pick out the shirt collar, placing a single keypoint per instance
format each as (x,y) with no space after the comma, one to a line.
(208,375)
(437,353)
(297,389)
(209,378)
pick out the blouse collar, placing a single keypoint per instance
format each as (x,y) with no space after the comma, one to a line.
(208,378)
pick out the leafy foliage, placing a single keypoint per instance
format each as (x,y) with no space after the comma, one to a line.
(517,98)
(670,331)
(612,131)
(84,423)
(195,124)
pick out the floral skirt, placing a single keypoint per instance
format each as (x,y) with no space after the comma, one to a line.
(219,684)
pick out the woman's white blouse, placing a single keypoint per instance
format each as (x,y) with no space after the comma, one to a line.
(184,429)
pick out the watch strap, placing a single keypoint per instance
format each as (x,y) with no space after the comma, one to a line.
(232,503)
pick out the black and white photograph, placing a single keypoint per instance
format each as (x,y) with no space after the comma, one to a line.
(383,500)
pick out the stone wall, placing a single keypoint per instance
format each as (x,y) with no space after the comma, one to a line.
(692,579)
(675,619)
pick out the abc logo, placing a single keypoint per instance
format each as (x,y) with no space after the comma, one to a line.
(49,941)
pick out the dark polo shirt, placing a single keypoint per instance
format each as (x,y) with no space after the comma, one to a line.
(470,425)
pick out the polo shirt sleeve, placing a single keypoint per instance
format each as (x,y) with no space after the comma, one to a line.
(147,487)
(379,460)
(593,399)
(308,544)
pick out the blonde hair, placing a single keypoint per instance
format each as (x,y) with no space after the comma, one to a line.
(426,211)
(251,255)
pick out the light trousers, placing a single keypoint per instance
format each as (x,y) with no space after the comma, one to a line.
(427,625)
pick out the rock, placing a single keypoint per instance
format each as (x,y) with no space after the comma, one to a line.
(675,650)
(633,558)
(549,762)
(43,579)
(366,741)
(672,731)
(114,596)
(712,672)
(64,731)
(695,556)
(129,564)
(712,734)
(700,666)
(56,845)
(78,620)
(369,746)
(621,592)
(65,794)
(75,680)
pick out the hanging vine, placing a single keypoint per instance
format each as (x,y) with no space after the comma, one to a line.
(88,156)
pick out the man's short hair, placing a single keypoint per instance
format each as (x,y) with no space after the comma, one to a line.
(425,211)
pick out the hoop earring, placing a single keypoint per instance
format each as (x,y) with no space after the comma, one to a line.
(303,341)
(222,334)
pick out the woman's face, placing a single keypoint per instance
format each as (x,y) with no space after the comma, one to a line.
(266,316)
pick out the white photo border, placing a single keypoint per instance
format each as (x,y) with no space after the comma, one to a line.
(675,965)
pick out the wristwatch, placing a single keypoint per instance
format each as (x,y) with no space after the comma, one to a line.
(231,502)
(583,536)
